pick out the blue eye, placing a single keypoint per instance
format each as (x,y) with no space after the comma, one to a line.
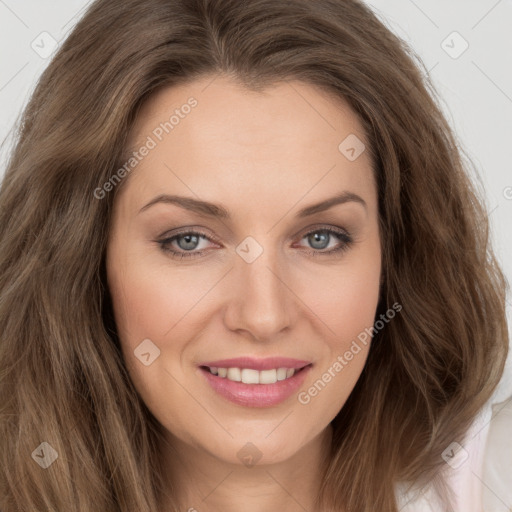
(320,239)
(185,244)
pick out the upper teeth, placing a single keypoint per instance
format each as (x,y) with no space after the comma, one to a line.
(250,376)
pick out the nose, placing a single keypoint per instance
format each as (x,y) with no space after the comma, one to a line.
(260,300)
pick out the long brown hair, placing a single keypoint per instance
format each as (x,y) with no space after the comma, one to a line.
(63,379)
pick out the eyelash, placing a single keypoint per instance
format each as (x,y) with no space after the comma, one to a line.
(346,239)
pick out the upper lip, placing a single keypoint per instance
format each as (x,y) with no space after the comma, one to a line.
(267,363)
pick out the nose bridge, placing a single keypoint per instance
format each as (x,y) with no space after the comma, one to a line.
(260,300)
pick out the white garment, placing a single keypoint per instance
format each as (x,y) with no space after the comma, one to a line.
(497,472)
(481,472)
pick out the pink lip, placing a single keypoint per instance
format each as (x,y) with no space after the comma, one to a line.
(269,363)
(256,395)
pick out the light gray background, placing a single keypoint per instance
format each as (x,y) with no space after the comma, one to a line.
(475,87)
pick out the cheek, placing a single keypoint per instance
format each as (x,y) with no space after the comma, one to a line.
(165,305)
(344,297)
(149,303)
(352,308)
(345,301)
(326,391)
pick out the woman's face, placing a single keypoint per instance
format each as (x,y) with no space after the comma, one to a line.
(255,260)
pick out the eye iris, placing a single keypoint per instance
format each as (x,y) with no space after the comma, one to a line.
(315,237)
(190,239)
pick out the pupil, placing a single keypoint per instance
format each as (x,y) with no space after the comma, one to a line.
(190,239)
(316,237)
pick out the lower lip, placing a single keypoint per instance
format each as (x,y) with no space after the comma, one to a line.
(256,395)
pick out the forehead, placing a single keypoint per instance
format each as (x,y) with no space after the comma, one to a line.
(214,137)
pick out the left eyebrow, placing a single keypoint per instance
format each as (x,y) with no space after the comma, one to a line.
(344,197)
(218,211)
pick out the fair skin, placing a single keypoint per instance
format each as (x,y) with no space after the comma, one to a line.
(264,157)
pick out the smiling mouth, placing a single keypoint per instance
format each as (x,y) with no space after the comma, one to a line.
(251,376)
